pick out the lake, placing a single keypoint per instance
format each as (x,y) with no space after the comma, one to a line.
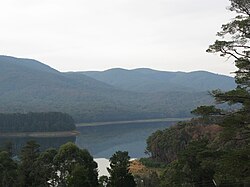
(104,141)
(101,141)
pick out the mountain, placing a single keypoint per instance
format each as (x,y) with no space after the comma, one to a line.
(28,85)
(148,80)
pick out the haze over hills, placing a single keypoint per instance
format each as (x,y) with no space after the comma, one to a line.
(148,80)
(28,85)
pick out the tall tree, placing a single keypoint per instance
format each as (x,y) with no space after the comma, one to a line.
(235,43)
(119,171)
(70,160)
(28,157)
(44,172)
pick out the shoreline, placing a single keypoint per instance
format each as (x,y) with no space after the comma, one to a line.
(131,121)
(40,134)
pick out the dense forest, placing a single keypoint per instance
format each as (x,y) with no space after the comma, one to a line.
(36,122)
(213,149)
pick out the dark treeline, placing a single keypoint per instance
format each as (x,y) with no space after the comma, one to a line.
(66,166)
(36,122)
(17,143)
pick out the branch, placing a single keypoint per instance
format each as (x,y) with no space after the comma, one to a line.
(243,55)
(241,46)
(229,53)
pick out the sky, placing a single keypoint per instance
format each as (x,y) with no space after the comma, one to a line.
(82,35)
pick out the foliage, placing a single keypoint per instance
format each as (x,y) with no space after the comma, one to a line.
(206,111)
(69,166)
(69,159)
(235,44)
(149,180)
(103,181)
(119,171)
(233,167)
(8,170)
(149,162)
(28,157)
(164,146)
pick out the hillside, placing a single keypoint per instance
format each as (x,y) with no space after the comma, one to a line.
(36,122)
(30,86)
(148,80)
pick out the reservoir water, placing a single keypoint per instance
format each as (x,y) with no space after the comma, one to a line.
(104,141)
(101,141)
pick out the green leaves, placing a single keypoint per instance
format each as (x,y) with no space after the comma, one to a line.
(69,159)
(206,111)
(8,170)
(119,171)
(69,166)
(236,41)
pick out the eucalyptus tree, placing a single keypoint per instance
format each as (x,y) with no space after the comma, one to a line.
(119,171)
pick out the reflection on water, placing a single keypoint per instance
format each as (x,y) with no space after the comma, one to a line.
(45,143)
(104,141)
(101,141)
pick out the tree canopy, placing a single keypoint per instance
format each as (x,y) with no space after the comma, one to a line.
(68,166)
(119,171)
(235,43)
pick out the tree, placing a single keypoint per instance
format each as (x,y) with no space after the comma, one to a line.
(44,171)
(206,111)
(28,157)
(8,147)
(70,160)
(235,43)
(79,177)
(195,167)
(103,181)
(119,171)
(8,170)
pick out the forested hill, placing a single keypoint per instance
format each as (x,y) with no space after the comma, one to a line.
(149,80)
(8,62)
(30,86)
(36,122)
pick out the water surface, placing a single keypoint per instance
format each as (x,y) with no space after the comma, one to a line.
(101,141)
(104,141)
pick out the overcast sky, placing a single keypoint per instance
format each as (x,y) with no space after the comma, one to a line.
(80,35)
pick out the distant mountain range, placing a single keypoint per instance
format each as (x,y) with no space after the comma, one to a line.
(116,94)
(148,80)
